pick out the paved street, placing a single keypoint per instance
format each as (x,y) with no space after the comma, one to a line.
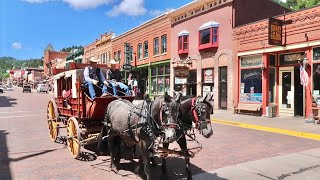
(27,152)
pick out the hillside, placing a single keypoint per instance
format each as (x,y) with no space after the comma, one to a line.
(8,63)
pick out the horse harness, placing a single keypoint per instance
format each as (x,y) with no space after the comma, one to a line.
(197,110)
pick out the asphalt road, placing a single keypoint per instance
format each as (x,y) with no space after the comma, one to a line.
(27,152)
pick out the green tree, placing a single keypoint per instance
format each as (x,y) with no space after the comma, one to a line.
(301,4)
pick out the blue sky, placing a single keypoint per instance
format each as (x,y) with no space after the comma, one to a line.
(27,26)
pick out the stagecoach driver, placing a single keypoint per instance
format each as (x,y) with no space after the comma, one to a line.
(114,78)
(93,76)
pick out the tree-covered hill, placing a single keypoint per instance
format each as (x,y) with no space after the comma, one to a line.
(8,63)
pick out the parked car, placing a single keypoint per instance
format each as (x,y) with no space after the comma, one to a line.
(1,89)
(26,88)
(42,88)
(9,87)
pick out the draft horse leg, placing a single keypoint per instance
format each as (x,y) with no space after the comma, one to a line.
(146,159)
(164,161)
(111,146)
(183,146)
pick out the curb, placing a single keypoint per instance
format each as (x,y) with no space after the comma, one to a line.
(269,129)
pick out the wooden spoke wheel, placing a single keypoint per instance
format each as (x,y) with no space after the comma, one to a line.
(52,117)
(73,137)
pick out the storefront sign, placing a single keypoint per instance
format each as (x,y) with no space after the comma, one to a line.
(251,61)
(275,32)
(181,71)
(127,67)
(208,76)
(180,80)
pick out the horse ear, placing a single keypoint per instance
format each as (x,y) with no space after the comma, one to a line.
(205,98)
(178,96)
(167,98)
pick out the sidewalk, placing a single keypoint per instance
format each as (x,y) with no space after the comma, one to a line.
(296,166)
(294,126)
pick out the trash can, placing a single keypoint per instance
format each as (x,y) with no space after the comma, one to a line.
(272,110)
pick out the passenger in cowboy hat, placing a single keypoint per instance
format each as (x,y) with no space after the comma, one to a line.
(114,77)
(93,76)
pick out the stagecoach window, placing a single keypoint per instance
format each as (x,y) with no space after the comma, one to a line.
(316,83)
(251,85)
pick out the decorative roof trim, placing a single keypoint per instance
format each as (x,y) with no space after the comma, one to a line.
(184,33)
(209,25)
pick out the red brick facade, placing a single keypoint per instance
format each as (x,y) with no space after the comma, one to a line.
(51,56)
(300,37)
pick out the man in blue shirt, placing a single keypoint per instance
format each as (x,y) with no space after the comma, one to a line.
(114,78)
(93,76)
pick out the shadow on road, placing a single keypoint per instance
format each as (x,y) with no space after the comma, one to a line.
(7,101)
(5,172)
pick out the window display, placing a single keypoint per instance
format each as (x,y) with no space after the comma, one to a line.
(316,83)
(251,85)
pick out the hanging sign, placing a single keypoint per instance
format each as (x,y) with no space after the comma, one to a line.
(181,71)
(275,32)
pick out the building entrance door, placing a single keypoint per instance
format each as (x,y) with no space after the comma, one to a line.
(223,87)
(290,92)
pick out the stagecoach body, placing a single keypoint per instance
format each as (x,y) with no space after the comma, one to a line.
(83,122)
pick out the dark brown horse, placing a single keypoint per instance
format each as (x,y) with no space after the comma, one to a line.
(195,111)
(125,123)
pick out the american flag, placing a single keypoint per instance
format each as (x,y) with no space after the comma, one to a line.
(304,78)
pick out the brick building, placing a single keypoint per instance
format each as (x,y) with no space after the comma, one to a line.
(201,39)
(49,59)
(89,52)
(101,49)
(270,75)
(151,54)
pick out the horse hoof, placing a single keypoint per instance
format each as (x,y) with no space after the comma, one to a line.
(114,169)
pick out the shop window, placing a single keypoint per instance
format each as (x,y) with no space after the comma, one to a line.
(316,83)
(163,44)
(316,54)
(160,80)
(145,48)
(251,85)
(156,46)
(183,44)
(167,69)
(272,60)
(209,35)
(272,85)
(294,58)
(139,51)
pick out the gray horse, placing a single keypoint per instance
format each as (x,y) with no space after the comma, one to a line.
(127,125)
(193,110)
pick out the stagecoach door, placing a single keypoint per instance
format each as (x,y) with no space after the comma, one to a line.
(223,91)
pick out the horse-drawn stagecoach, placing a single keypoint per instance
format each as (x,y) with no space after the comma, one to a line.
(84,120)
(149,126)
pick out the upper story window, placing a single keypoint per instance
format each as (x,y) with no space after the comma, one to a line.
(183,42)
(146,54)
(139,51)
(115,56)
(119,55)
(156,46)
(209,35)
(164,43)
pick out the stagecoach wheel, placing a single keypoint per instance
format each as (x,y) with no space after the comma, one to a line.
(52,120)
(73,137)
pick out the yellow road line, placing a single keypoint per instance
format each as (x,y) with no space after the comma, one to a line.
(270,129)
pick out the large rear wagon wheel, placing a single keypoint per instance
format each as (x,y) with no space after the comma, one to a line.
(73,137)
(52,116)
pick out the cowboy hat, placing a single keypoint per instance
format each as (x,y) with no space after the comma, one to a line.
(93,59)
(112,61)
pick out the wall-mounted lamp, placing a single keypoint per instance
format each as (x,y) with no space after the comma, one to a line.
(262,66)
(305,62)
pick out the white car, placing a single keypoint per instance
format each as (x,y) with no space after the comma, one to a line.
(42,88)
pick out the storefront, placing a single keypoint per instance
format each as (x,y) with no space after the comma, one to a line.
(159,79)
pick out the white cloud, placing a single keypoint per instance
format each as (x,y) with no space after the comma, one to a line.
(77,4)
(16,45)
(157,12)
(87,4)
(128,7)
